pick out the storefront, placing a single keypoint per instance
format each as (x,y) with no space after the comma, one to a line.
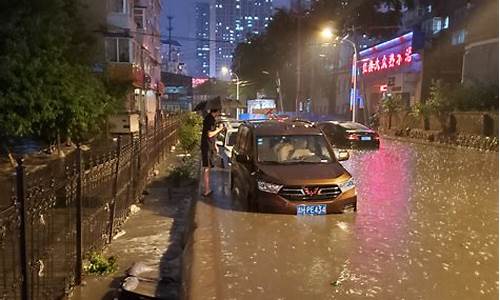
(392,67)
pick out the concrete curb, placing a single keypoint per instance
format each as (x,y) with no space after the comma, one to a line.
(201,269)
(187,253)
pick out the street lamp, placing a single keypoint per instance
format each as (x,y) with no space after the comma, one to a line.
(327,34)
(225,70)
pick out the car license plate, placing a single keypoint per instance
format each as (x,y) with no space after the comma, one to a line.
(311,210)
(366,138)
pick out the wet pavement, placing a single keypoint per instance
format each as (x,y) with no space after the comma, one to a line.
(426,228)
(153,237)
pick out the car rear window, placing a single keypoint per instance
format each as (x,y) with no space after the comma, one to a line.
(354,126)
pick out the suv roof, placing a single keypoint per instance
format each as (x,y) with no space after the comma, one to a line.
(293,127)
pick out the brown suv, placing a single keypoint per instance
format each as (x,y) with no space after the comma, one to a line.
(289,167)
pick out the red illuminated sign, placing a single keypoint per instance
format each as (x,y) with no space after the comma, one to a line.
(387,61)
(199,81)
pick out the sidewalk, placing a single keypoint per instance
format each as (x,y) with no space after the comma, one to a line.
(154,237)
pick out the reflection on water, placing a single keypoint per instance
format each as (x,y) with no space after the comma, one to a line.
(426,228)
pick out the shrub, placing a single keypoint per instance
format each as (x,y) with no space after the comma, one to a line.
(99,265)
(186,172)
(190,132)
(475,98)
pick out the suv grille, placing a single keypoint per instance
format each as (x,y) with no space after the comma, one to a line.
(310,193)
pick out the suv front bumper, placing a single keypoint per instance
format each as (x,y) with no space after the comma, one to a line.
(274,203)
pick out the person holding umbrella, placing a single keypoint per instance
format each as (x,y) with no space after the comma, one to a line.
(208,134)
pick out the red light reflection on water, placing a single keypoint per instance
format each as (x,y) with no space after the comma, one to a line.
(384,182)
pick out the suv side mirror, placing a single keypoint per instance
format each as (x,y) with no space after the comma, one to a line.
(243,158)
(343,155)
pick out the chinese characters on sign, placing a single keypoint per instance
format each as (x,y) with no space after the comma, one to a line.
(388,61)
(199,81)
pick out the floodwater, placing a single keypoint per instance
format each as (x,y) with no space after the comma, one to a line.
(426,228)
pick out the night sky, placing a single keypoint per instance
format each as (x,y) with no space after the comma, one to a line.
(183,24)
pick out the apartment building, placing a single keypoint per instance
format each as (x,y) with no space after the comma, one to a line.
(128,51)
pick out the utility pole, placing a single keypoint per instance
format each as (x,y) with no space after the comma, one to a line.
(143,116)
(170,28)
(354,75)
(299,56)
(278,89)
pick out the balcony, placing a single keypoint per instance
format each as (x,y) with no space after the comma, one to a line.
(141,3)
(121,20)
(125,73)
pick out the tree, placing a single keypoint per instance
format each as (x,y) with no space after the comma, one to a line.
(390,105)
(48,88)
(478,97)
(275,51)
(440,102)
(213,87)
(376,18)
(263,56)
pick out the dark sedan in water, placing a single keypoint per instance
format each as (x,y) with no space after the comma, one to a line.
(349,134)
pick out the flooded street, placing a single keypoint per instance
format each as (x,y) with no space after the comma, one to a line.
(426,228)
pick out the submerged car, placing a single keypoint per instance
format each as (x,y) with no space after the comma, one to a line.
(350,135)
(289,167)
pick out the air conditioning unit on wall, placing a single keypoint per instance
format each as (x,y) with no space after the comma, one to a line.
(124,123)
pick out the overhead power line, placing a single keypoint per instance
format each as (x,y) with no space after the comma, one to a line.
(164,38)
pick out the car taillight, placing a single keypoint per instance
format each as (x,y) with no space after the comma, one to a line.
(353,137)
(376,136)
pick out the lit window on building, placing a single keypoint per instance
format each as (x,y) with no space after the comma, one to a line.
(458,37)
(446,23)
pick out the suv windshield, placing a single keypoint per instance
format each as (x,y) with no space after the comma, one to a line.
(293,149)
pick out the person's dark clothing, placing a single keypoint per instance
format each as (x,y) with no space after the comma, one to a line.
(206,142)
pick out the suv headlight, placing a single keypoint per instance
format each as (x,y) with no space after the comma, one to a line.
(347,185)
(268,187)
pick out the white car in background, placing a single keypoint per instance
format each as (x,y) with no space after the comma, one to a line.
(225,142)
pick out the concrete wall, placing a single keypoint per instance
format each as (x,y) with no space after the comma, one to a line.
(434,123)
(494,116)
(469,123)
(402,120)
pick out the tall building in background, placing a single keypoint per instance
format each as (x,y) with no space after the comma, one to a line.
(236,20)
(202,19)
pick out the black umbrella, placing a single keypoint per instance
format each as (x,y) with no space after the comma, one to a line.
(202,106)
(214,103)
